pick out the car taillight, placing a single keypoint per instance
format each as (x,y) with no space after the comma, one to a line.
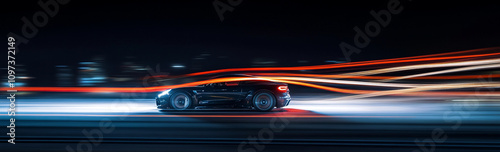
(283,88)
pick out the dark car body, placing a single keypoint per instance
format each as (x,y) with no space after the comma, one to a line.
(238,94)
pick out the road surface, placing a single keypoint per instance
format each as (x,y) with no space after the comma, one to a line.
(312,122)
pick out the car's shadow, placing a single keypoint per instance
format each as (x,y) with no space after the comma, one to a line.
(212,111)
(243,113)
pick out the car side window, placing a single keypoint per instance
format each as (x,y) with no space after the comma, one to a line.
(216,84)
(222,84)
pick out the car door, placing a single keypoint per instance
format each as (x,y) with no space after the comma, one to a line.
(220,93)
(233,90)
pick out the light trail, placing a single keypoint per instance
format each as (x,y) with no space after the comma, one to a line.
(210,116)
(376,77)
(426,88)
(422,92)
(346,82)
(424,66)
(162,88)
(127,89)
(446,71)
(353,64)
(309,80)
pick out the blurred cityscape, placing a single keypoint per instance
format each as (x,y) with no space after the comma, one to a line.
(130,71)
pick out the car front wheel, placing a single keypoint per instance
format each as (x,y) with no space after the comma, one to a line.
(180,101)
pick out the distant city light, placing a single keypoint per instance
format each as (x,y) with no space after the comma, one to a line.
(178,66)
(87,62)
(334,61)
(84,68)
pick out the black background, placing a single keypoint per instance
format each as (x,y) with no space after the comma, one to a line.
(284,31)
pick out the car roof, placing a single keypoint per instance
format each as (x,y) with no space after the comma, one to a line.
(231,75)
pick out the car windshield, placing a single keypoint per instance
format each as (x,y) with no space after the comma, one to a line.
(221,84)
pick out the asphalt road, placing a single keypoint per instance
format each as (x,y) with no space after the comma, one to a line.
(310,123)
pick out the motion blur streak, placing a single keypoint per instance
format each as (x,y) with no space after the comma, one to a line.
(331,66)
(352,64)
(427,88)
(448,71)
(125,89)
(419,88)
(208,116)
(349,91)
(376,77)
(410,92)
(345,82)
(424,66)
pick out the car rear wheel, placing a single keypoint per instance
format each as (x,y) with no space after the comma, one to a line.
(264,101)
(180,101)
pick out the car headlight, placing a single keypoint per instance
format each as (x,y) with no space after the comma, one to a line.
(164,93)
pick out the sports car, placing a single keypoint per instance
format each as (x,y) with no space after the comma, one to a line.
(260,95)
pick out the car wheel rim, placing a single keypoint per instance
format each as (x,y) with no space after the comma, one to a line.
(263,101)
(181,102)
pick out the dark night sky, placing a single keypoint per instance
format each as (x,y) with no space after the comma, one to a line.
(167,32)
